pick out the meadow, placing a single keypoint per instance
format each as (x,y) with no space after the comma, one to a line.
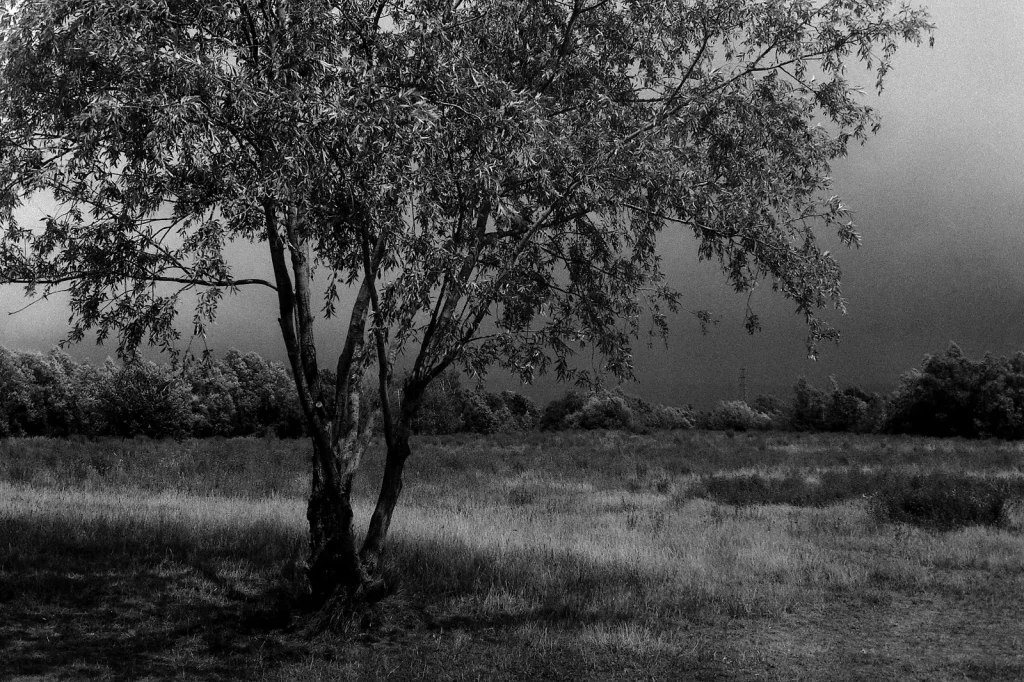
(600,555)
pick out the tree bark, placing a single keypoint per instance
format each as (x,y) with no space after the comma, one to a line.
(391,483)
(390,489)
(334,568)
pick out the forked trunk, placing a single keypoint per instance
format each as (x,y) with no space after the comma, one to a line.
(391,483)
(390,489)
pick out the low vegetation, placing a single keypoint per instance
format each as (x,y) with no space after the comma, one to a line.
(526,555)
(244,395)
(939,499)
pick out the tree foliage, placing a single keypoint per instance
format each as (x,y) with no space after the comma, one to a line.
(952,395)
(518,159)
(849,409)
(148,399)
(451,162)
(735,415)
(239,395)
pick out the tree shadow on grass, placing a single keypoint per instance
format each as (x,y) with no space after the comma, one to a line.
(556,615)
(78,607)
(102,600)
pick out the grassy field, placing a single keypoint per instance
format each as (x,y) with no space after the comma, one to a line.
(535,556)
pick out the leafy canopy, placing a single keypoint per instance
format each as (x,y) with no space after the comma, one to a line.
(458,160)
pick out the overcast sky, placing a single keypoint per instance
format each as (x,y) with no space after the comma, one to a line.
(938,196)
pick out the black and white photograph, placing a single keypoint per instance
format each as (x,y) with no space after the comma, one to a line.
(512,340)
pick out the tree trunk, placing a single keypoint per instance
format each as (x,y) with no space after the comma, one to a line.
(390,489)
(334,567)
(391,484)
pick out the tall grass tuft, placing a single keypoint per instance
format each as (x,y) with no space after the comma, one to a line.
(796,488)
(945,501)
(939,499)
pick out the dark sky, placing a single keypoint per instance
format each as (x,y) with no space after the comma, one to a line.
(938,196)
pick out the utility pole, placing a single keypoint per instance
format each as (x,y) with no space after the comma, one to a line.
(743,383)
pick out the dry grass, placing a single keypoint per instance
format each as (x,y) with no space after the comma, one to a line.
(513,557)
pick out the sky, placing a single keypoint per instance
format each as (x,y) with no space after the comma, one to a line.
(937,194)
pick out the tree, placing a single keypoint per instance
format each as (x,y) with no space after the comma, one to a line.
(952,395)
(145,398)
(489,177)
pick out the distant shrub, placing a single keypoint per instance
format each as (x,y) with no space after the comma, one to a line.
(876,418)
(15,395)
(144,398)
(943,501)
(735,415)
(844,410)
(478,415)
(447,407)
(265,397)
(522,409)
(809,407)
(940,399)
(839,410)
(213,406)
(442,406)
(999,411)
(772,406)
(952,395)
(602,411)
(553,418)
(612,410)
(653,416)
(87,382)
(497,412)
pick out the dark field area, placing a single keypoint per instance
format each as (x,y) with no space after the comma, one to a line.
(686,555)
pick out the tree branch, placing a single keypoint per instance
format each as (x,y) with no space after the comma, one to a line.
(225,284)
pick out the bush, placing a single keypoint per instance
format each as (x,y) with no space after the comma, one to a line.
(943,501)
(555,413)
(648,416)
(952,395)
(523,410)
(735,415)
(447,407)
(808,413)
(772,406)
(612,410)
(602,411)
(844,410)
(143,398)
(877,416)
(938,400)
(15,395)
(442,406)
(838,410)
(497,412)
(265,397)
(213,405)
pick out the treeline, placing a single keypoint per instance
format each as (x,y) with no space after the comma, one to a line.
(950,395)
(239,395)
(245,395)
(450,407)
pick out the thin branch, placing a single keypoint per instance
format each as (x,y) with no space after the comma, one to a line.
(226,284)
(38,299)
